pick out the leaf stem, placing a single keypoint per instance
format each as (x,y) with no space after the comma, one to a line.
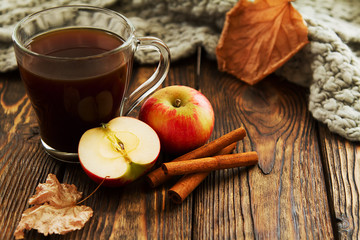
(83,200)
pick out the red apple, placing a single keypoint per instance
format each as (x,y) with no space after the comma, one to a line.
(182,117)
(120,151)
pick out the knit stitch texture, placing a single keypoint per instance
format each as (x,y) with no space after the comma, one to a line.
(329,65)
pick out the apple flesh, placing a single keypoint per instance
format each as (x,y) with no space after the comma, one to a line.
(182,117)
(120,151)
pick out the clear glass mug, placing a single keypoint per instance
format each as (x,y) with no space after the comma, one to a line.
(76,64)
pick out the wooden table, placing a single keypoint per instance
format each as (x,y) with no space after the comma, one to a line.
(306,186)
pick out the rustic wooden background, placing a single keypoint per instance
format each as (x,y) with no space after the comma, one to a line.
(306,185)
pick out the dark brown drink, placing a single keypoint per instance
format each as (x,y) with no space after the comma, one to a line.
(79,92)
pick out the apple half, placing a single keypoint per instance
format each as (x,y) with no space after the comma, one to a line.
(120,151)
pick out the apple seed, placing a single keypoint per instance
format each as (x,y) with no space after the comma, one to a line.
(116,142)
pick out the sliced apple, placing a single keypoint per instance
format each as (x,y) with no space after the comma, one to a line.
(120,151)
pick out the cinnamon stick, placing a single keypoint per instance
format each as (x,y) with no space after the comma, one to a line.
(210,163)
(157,177)
(189,182)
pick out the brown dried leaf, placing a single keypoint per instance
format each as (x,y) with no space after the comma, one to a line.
(54,193)
(258,37)
(55,210)
(48,219)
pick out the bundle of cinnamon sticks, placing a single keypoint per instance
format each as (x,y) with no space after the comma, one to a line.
(196,165)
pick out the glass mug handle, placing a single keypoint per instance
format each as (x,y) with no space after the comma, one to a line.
(155,80)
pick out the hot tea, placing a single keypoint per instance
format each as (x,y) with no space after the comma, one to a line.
(76,62)
(74,94)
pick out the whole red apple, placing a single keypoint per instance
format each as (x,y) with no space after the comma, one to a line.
(182,117)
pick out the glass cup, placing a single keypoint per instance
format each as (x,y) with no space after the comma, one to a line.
(76,64)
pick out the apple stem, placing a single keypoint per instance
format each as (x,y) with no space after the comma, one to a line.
(116,142)
(177,102)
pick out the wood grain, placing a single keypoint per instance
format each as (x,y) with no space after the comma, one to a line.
(23,163)
(306,185)
(341,161)
(289,177)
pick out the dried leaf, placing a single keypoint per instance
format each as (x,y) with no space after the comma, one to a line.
(55,210)
(258,37)
(54,193)
(48,219)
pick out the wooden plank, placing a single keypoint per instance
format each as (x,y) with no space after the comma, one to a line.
(23,162)
(341,160)
(285,196)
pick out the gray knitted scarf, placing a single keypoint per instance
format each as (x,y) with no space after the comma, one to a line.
(329,65)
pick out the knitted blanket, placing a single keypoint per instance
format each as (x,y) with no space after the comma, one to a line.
(329,65)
